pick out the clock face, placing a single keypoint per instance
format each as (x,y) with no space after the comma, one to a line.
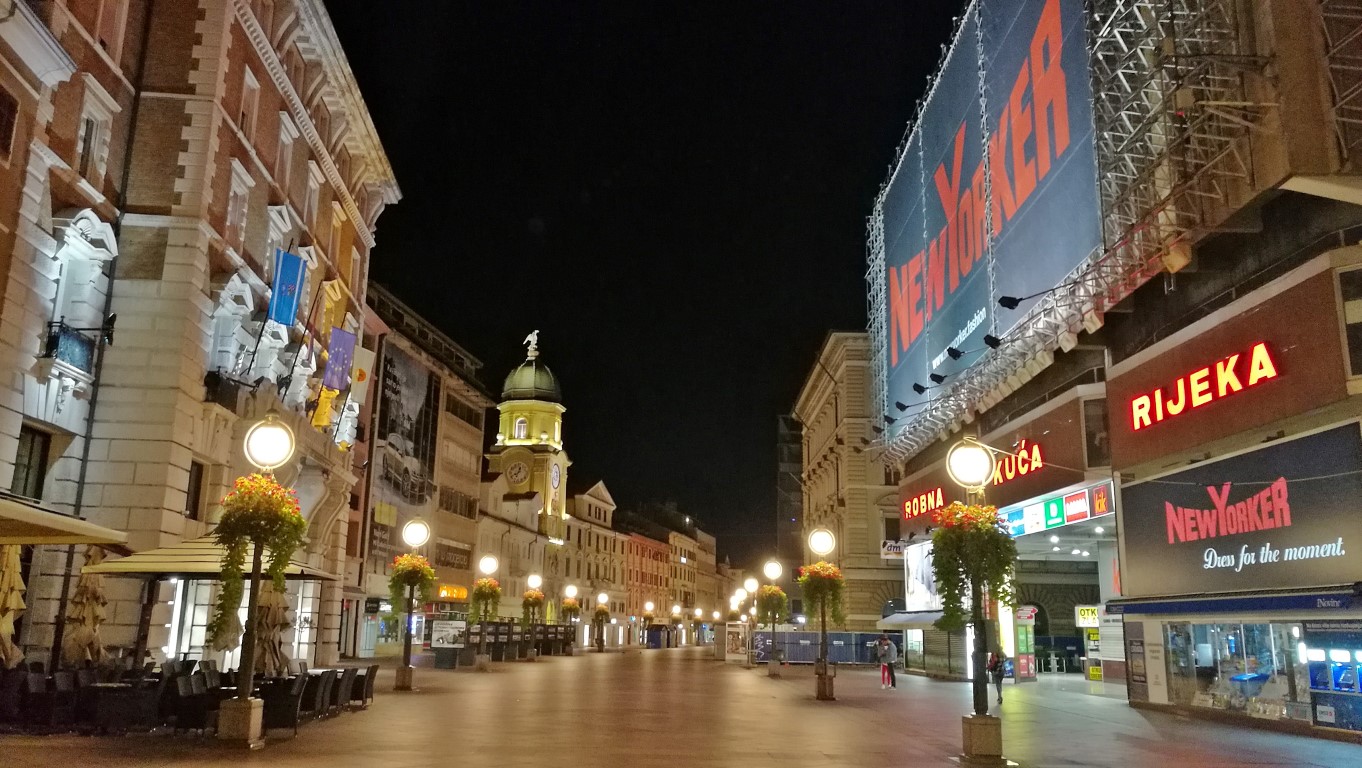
(518,473)
(556,475)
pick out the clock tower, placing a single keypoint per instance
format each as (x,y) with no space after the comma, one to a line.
(529,445)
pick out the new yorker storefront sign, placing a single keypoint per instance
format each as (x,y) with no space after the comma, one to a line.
(1282,516)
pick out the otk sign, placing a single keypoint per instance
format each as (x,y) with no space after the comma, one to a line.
(1223,378)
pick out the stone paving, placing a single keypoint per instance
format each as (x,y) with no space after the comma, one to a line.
(681,708)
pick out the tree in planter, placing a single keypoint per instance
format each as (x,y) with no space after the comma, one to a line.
(823,585)
(530,604)
(410,573)
(599,619)
(972,553)
(773,607)
(258,516)
(483,606)
(570,609)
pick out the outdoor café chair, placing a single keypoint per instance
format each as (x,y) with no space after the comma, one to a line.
(340,694)
(369,678)
(283,704)
(11,687)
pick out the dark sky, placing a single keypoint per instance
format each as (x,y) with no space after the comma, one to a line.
(674,194)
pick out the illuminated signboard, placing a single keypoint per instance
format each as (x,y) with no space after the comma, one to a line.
(922,503)
(1087,615)
(1224,377)
(1026,460)
(1057,511)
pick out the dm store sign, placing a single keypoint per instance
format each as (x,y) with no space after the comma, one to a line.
(1283,516)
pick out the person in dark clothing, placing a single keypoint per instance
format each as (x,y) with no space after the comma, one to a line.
(997,669)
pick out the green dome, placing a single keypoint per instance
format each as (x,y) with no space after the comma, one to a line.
(531,380)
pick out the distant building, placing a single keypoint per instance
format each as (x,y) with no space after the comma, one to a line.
(789,490)
(595,555)
(846,491)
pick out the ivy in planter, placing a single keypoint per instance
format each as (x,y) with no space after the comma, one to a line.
(530,603)
(486,599)
(258,510)
(773,606)
(410,570)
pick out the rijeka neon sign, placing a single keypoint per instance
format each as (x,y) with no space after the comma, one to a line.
(1204,386)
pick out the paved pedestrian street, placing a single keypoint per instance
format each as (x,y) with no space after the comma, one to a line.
(682,708)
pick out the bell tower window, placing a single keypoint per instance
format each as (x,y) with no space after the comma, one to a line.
(522,428)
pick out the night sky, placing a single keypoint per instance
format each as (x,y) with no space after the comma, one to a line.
(674,194)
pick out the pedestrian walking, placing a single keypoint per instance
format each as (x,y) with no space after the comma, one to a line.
(997,669)
(887,654)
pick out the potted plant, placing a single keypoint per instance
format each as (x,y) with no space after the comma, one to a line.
(823,585)
(530,604)
(773,607)
(261,518)
(483,606)
(972,554)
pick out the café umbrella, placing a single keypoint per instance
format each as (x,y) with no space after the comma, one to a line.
(82,642)
(272,620)
(11,604)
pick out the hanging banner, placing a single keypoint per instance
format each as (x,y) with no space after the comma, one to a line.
(286,292)
(340,355)
(403,470)
(359,378)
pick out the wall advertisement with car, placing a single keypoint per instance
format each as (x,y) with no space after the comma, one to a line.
(404,440)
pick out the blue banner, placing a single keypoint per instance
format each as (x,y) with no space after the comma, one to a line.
(286,293)
(340,358)
(996,192)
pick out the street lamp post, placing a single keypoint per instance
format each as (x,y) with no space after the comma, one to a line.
(535,581)
(601,601)
(750,584)
(486,566)
(268,445)
(676,621)
(970,465)
(570,592)
(415,534)
(821,543)
(772,570)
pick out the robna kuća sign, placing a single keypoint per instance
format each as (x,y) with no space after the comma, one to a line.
(1283,516)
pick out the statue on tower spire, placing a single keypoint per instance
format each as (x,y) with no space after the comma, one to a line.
(533,341)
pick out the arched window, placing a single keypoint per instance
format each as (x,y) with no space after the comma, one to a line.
(522,428)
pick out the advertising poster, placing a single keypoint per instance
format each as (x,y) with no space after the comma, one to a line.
(735,642)
(920,594)
(405,434)
(1025,622)
(448,634)
(954,240)
(1279,517)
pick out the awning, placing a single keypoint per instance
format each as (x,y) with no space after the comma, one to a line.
(195,558)
(23,522)
(913,620)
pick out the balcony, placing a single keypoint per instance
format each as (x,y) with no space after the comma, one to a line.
(220,389)
(70,347)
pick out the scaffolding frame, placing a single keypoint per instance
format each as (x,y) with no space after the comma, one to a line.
(1343,54)
(1170,110)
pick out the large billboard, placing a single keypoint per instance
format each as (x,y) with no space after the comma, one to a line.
(404,465)
(995,193)
(1280,517)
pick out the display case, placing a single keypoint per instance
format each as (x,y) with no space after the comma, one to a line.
(1333,652)
(1258,669)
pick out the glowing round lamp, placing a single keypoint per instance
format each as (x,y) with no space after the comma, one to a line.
(535,581)
(416,533)
(752,610)
(750,584)
(648,606)
(488,565)
(733,603)
(676,610)
(269,443)
(821,541)
(740,595)
(716,615)
(773,570)
(699,613)
(570,590)
(970,464)
(602,599)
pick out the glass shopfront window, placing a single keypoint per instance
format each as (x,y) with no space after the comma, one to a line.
(1254,668)
(912,649)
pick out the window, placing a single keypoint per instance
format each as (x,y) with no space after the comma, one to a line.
(30,463)
(333,245)
(356,271)
(314,192)
(113,15)
(9,115)
(1095,432)
(891,527)
(283,153)
(463,411)
(238,202)
(522,428)
(250,105)
(89,142)
(1351,284)
(193,498)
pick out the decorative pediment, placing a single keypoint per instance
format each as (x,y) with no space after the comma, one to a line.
(83,234)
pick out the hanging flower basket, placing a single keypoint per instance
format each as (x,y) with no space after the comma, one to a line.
(258,510)
(486,599)
(970,547)
(648,619)
(530,603)
(823,585)
(410,570)
(773,606)
(602,614)
(571,609)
